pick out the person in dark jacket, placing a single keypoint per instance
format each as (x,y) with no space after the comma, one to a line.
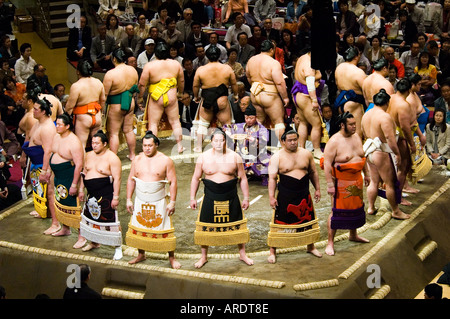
(83,291)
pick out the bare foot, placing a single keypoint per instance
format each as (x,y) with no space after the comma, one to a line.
(197,149)
(370,212)
(175,264)
(315,252)
(400,215)
(138,259)
(65,231)
(405,202)
(329,250)
(80,243)
(201,262)
(35,214)
(411,190)
(247,260)
(358,239)
(52,229)
(181,149)
(90,246)
(272,259)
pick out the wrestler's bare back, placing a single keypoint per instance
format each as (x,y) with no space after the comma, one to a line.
(373,84)
(151,169)
(256,73)
(157,70)
(349,77)
(120,79)
(376,122)
(85,91)
(213,75)
(345,149)
(219,168)
(399,107)
(303,69)
(295,164)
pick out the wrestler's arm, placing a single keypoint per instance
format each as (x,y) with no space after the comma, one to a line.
(172,178)
(72,100)
(196,87)
(388,128)
(234,86)
(405,125)
(310,72)
(102,97)
(180,82)
(248,72)
(314,177)
(116,172)
(329,155)
(131,185)
(278,80)
(77,153)
(47,142)
(81,186)
(422,138)
(107,83)
(143,81)
(243,181)
(196,181)
(272,185)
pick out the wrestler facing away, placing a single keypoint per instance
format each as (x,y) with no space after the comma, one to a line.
(166,84)
(405,118)
(67,147)
(268,92)
(377,123)
(343,147)
(296,162)
(220,164)
(42,134)
(350,77)
(152,166)
(120,83)
(99,163)
(307,104)
(213,79)
(377,81)
(86,102)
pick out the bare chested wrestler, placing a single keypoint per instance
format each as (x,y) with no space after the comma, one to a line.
(377,81)
(66,163)
(86,103)
(405,119)
(306,94)
(295,167)
(27,122)
(213,79)
(223,170)
(149,173)
(38,147)
(165,81)
(56,104)
(101,176)
(379,133)
(268,88)
(121,84)
(349,81)
(343,163)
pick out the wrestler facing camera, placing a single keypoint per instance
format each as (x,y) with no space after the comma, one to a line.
(166,84)
(297,163)
(377,81)
(56,105)
(305,93)
(213,79)
(344,155)
(86,103)
(120,84)
(149,168)
(349,77)
(220,166)
(66,163)
(405,119)
(379,132)
(268,88)
(41,136)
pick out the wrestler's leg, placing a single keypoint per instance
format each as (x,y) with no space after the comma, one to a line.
(155,113)
(311,249)
(90,246)
(205,116)
(355,237)
(114,124)
(329,250)
(173,117)
(243,256)
(372,189)
(55,226)
(357,111)
(260,114)
(140,257)
(313,119)
(83,125)
(203,259)
(272,259)
(130,137)
(80,242)
(403,167)
(173,262)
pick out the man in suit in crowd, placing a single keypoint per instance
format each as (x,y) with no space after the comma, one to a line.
(245,50)
(41,79)
(187,109)
(80,41)
(131,41)
(102,47)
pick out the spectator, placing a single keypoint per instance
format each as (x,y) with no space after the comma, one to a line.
(417,14)
(173,53)
(392,77)
(173,9)
(269,32)
(438,138)
(189,74)
(60,93)
(389,55)
(441,22)
(79,42)
(375,51)
(113,29)
(102,47)
(214,40)
(264,9)
(200,59)
(433,49)
(294,10)
(244,50)
(243,101)
(107,7)
(410,58)
(443,101)
(256,39)
(238,70)
(147,55)
(159,21)
(142,29)
(5,71)
(187,109)
(288,45)
(348,40)
(369,22)
(235,29)
(304,27)
(14,89)
(422,38)
(8,142)
(8,51)
(171,34)
(428,72)
(147,10)
(356,7)
(433,291)
(41,79)
(6,17)
(184,25)
(25,64)
(408,29)
(84,292)
(196,38)
(198,11)
(235,7)
(133,62)
(154,34)
(346,20)
(131,41)
(444,59)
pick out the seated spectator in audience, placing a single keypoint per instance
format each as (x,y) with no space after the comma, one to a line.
(346,20)
(187,109)
(107,7)
(438,138)
(294,10)
(408,29)
(269,32)
(443,101)
(235,29)
(189,74)
(428,72)
(433,50)
(184,25)
(60,93)
(238,70)
(200,59)
(389,55)
(14,89)
(147,55)
(209,10)
(8,51)
(10,113)
(244,50)
(147,9)
(142,29)
(369,22)
(264,9)
(5,72)
(392,77)
(417,14)
(243,101)
(422,38)
(356,7)
(214,40)
(41,79)
(131,41)
(385,11)
(348,40)
(279,56)
(238,6)
(173,9)
(102,48)
(132,61)
(304,27)
(79,42)
(444,58)
(433,291)
(8,142)
(257,38)
(154,34)
(198,11)
(289,46)
(410,58)
(171,34)
(25,64)
(9,193)
(376,51)
(159,21)
(173,54)
(441,22)
(196,38)
(113,29)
